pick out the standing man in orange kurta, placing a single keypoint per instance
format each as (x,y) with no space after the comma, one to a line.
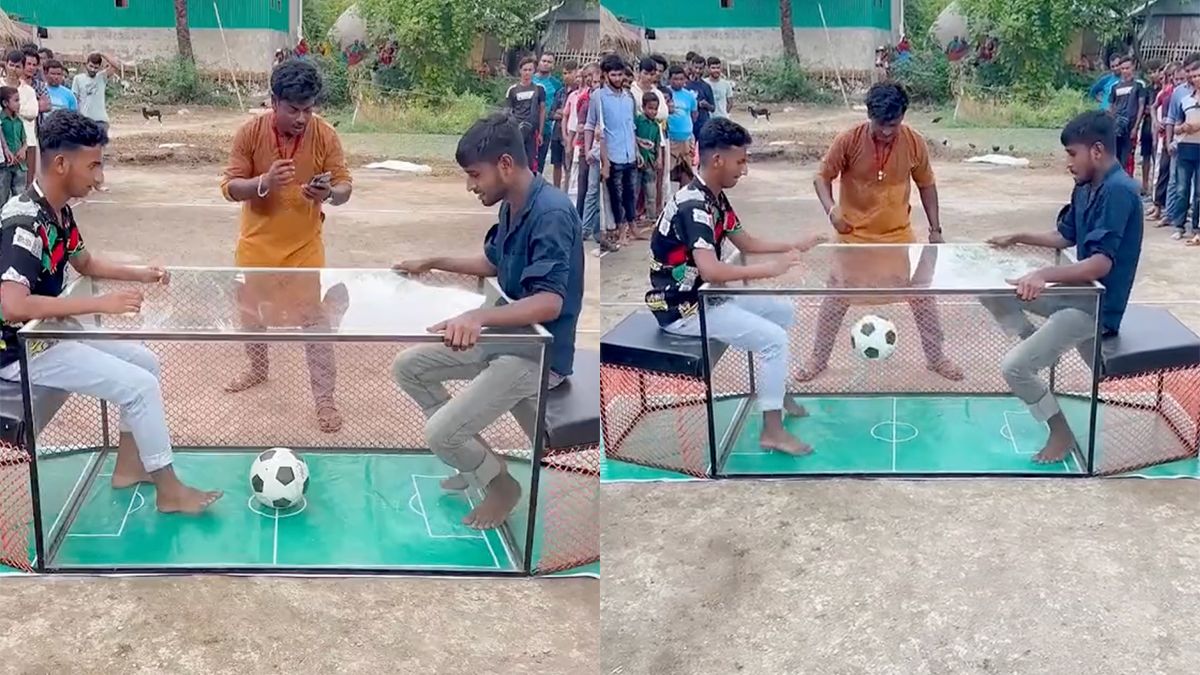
(877,162)
(284,167)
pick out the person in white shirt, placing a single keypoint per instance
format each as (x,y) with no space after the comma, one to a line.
(647,81)
(18,74)
(721,86)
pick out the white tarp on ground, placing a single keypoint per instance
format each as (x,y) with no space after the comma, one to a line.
(999,160)
(400,166)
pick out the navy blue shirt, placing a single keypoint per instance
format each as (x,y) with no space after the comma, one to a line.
(703,92)
(540,250)
(1107,220)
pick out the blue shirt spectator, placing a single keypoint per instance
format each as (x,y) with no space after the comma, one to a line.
(1175,105)
(1108,220)
(679,124)
(618,112)
(62,98)
(551,85)
(539,249)
(1102,87)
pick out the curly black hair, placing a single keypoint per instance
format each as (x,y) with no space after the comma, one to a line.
(296,81)
(886,102)
(489,139)
(68,131)
(722,133)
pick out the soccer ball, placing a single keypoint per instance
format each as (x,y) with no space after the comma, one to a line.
(873,338)
(279,478)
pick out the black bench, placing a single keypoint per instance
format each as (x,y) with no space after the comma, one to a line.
(573,408)
(46,402)
(1151,340)
(637,342)
(1148,387)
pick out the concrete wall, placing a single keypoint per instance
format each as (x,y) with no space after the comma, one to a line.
(250,50)
(853,48)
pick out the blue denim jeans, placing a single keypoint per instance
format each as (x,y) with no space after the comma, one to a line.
(1186,173)
(591,204)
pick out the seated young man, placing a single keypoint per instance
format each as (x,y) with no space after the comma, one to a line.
(1103,223)
(685,251)
(38,236)
(536,253)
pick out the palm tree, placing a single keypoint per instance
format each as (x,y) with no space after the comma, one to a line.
(183,36)
(788,30)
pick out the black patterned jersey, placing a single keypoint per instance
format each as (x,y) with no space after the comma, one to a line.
(694,218)
(34,250)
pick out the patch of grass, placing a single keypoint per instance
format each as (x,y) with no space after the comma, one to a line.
(176,80)
(429,148)
(783,80)
(450,115)
(1051,113)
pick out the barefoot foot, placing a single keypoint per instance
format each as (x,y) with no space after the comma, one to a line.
(122,480)
(809,373)
(792,408)
(502,495)
(328,418)
(247,380)
(1055,450)
(785,443)
(947,369)
(188,500)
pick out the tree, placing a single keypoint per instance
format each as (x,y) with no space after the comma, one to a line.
(183,34)
(788,29)
(1034,34)
(434,37)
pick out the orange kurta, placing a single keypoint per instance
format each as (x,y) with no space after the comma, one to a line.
(877,210)
(284,228)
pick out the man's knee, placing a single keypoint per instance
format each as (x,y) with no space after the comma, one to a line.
(781,312)
(146,360)
(139,386)
(407,367)
(1016,367)
(774,340)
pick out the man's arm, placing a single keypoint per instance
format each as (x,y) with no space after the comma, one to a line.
(239,183)
(716,271)
(1054,240)
(19,305)
(922,175)
(21,262)
(476,265)
(748,243)
(1092,268)
(341,184)
(89,265)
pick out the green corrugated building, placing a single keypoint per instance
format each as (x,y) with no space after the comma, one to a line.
(745,29)
(137,30)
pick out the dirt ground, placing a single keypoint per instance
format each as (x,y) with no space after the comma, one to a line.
(163,206)
(207,625)
(902,577)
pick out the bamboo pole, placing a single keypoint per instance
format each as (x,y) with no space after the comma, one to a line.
(837,69)
(228,58)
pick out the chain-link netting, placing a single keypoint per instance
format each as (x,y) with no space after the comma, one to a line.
(654,419)
(1148,420)
(569,516)
(16,508)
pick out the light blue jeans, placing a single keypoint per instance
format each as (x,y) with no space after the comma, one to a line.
(757,324)
(591,203)
(123,373)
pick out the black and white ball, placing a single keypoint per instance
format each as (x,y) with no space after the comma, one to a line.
(279,478)
(873,337)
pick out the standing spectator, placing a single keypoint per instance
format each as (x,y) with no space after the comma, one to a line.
(549,82)
(12,174)
(1103,85)
(680,126)
(1178,209)
(61,96)
(1126,108)
(1172,76)
(91,87)
(558,121)
(661,65)
(703,91)
(614,105)
(570,131)
(579,165)
(722,88)
(595,161)
(650,158)
(526,102)
(1152,84)
(647,83)
(18,74)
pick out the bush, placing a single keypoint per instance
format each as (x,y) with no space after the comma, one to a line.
(178,81)
(417,114)
(783,80)
(336,78)
(926,76)
(1051,112)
